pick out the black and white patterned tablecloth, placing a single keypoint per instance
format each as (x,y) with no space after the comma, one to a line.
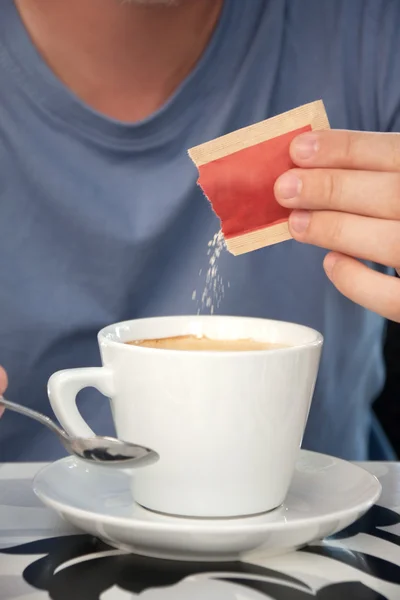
(42,557)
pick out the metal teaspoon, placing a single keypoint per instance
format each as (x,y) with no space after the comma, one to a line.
(100,450)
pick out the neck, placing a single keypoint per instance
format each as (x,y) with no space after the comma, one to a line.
(124,59)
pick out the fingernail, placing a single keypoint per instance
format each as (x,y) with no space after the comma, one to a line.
(329,262)
(288,187)
(299,220)
(305,146)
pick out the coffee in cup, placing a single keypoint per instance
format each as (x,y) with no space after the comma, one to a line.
(203,343)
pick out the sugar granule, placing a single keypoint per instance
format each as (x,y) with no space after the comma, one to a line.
(214,288)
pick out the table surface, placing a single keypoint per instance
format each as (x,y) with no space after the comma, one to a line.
(41,556)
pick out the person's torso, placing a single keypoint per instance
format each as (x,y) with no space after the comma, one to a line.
(102,222)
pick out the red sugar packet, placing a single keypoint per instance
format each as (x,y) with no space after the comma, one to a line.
(237,173)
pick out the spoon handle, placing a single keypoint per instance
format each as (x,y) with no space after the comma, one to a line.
(33,414)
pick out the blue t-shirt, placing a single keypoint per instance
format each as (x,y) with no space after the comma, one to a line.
(102,221)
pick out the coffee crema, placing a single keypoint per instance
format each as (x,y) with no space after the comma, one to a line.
(202,343)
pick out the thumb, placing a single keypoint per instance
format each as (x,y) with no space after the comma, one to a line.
(3,385)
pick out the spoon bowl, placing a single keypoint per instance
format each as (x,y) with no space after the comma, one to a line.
(109,450)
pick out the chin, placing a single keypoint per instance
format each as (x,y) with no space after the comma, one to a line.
(151,2)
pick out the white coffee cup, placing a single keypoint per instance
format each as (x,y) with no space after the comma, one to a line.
(227,425)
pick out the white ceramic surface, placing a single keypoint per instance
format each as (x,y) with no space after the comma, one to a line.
(326,495)
(235,420)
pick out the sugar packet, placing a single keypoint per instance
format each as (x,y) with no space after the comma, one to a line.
(237,173)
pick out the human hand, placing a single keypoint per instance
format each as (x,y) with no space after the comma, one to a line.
(346,196)
(3,385)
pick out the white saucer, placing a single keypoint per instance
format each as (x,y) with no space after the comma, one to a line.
(326,495)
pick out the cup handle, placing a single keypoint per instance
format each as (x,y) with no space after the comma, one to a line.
(63,388)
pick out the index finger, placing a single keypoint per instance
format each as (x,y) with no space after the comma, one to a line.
(339,149)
